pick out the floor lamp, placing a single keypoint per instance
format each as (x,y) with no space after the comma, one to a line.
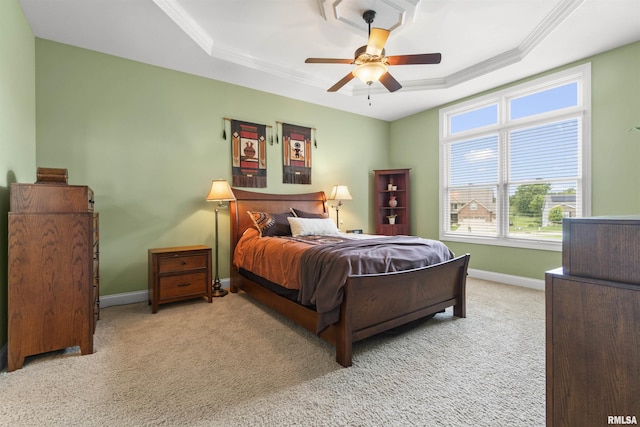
(220,192)
(339,193)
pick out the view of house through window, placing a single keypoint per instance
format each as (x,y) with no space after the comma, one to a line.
(515,163)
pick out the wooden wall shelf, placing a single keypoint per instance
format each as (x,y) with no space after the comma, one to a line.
(392,183)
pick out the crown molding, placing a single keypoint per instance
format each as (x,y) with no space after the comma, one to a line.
(551,21)
(294,74)
(342,11)
(180,16)
(557,15)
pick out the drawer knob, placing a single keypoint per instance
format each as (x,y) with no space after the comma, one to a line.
(184,263)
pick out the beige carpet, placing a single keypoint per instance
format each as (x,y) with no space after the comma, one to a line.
(235,363)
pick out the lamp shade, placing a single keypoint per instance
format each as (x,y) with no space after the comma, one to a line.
(370,72)
(340,192)
(220,191)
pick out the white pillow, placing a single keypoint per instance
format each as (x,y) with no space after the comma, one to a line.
(311,226)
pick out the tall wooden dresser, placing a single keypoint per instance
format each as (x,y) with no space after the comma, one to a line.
(593,324)
(53,272)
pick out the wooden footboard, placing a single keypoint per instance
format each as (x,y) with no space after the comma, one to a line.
(375,303)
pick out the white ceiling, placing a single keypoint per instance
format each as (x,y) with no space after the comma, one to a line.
(262,44)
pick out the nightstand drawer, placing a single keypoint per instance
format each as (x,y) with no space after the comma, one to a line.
(183,285)
(181,263)
(178,273)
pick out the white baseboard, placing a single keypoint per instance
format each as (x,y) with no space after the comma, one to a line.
(142,296)
(124,298)
(525,282)
(136,297)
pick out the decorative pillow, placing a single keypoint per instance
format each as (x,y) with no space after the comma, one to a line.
(312,226)
(302,214)
(271,224)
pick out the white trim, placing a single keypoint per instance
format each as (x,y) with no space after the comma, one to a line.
(141,296)
(580,74)
(508,279)
(550,22)
(124,298)
(136,296)
(407,11)
(511,242)
(186,23)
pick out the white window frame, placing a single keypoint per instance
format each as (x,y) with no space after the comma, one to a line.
(580,74)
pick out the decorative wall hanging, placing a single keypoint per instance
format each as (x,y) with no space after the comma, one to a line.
(296,154)
(248,154)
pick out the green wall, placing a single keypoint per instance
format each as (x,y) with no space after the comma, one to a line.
(615,153)
(148,141)
(17,123)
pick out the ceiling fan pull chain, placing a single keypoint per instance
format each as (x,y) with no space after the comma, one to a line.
(369,94)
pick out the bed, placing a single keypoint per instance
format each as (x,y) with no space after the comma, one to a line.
(369,303)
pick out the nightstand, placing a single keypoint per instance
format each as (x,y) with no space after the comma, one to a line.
(179,273)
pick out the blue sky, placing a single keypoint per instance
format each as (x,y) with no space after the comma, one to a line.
(543,152)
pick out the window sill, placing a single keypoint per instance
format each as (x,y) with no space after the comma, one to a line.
(543,245)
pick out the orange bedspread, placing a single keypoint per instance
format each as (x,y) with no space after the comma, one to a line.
(319,266)
(283,255)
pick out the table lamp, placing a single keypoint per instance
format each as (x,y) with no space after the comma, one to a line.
(339,193)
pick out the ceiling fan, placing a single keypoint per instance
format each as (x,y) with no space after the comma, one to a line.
(371,62)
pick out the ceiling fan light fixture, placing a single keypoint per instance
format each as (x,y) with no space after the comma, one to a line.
(371,62)
(370,72)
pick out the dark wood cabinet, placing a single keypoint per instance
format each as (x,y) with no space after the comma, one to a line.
(392,201)
(602,248)
(179,273)
(53,270)
(593,324)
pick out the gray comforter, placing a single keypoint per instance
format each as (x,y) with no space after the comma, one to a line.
(326,267)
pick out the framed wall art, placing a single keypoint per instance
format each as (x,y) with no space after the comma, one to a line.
(296,154)
(248,154)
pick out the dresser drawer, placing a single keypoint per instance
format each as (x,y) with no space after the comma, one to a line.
(50,198)
(183,285)
(181,263)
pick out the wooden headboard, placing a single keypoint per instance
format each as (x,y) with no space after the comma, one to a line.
(273,203)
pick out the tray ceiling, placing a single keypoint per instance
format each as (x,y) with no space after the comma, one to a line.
(262,44)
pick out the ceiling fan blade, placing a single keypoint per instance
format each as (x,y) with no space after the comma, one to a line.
(328,61)
(346,79)
(377,40)
(390,82)
(424,58)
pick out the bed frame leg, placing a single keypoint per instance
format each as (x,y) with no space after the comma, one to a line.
(460,309)
(344,347)
(233,288)
(344,333)
(344,357)
(234,278)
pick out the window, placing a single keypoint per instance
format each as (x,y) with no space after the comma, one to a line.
(515,162)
